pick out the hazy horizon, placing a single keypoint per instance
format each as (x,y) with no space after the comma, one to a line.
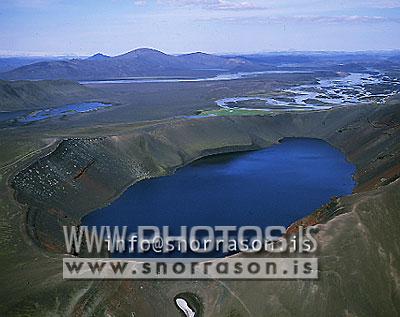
(72,55)
(112,27)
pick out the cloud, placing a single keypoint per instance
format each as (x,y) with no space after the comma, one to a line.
(353,19)
(229,5)
(344,19)
(232,5)
(383,4)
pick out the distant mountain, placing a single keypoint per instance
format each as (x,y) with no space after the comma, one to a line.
(143,52)
(10,63)
(319,59)
(139,62)
(213,61)
(98,57)
(395,59)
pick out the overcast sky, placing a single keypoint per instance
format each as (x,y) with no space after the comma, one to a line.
(85,27)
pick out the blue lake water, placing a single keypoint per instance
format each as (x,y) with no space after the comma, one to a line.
(10,115)
(24,117)
(62,111)
(273,186)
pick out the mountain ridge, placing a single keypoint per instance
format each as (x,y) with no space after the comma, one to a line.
(98,56)
(138,62)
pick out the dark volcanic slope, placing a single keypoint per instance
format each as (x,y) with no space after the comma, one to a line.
(140,62)
(358,235)
(17,95)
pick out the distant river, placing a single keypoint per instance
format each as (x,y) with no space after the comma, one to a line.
(326,93)
(273,186)
(147,80)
